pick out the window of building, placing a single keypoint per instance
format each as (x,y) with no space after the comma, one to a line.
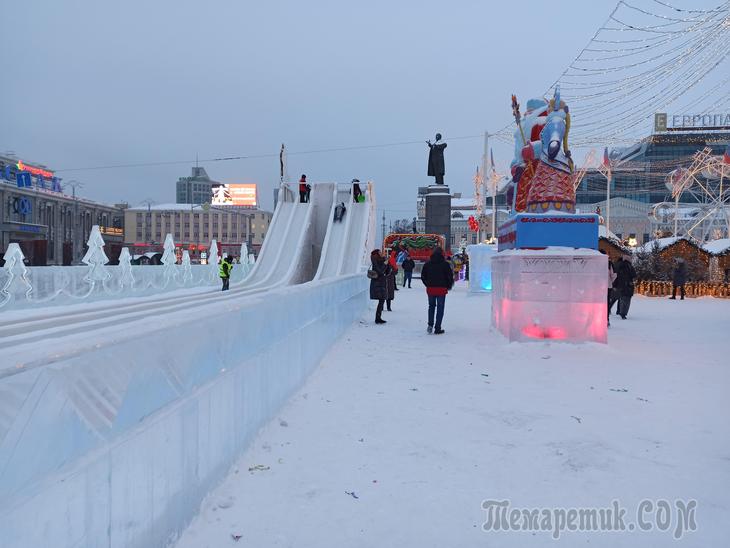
(645,237)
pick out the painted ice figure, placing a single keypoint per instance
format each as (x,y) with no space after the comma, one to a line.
(480,267)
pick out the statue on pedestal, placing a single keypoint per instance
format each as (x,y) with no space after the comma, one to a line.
(436,166)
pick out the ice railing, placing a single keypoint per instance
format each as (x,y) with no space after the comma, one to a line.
(23,287)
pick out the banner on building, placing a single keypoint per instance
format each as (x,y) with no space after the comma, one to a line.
(235,194)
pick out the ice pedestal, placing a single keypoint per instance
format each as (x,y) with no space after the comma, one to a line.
(554,293)
(480,267)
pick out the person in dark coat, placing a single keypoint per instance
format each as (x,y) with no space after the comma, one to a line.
(624,285)
(438,277)
(407,265)
(391,270)
(679,278)
(340,210)
(303,192)
(378,288)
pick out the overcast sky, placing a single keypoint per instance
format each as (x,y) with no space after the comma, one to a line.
(94,83)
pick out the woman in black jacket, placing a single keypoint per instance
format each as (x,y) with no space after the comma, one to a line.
(378,288)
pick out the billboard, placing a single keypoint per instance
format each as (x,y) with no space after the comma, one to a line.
(234,194)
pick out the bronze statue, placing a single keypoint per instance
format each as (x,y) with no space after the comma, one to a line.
(436,166)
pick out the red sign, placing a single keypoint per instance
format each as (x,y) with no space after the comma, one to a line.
(34,170)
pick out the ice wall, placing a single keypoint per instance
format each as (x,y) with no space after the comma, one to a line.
(555,293)
(117,444)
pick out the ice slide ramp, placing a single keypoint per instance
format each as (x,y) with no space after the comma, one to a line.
(289,256)
(334,242)
(347,242)
(295,241)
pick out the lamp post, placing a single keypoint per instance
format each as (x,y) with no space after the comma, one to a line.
(74,184)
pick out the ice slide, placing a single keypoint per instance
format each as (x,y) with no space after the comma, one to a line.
(285,259)
(346,242)
(333,248)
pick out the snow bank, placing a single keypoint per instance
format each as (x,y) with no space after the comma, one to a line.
(116,445)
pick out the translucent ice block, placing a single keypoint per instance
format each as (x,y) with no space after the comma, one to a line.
(480,267)
(555,293)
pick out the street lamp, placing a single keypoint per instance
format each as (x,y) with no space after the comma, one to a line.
(74,184)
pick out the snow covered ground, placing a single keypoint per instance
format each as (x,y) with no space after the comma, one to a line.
(399,436)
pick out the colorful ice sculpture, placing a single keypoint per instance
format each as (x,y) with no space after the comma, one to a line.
(549,281)
(480,267)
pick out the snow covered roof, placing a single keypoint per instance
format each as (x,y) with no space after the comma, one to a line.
(192,207)
(604,233)
(661,242)
(717,246)
(462,203)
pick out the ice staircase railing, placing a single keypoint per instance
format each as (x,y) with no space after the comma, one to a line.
(22,286)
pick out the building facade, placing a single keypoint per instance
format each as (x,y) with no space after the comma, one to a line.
(193,226)
(640,172)
(51,227)
(196,189)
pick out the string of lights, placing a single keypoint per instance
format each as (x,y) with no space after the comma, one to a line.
(642,59)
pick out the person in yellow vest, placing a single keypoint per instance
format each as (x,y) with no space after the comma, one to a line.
(224,271)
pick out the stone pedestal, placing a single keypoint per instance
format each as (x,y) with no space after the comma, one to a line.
(438,212)
(555,293)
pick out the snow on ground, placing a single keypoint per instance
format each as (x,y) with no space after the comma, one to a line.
(399,436)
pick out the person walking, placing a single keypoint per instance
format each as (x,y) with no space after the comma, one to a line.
(438,278)
(679,278)
(378,288)
(394,272)
(624,285)
(224,271)
(407,265)
(303,189)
